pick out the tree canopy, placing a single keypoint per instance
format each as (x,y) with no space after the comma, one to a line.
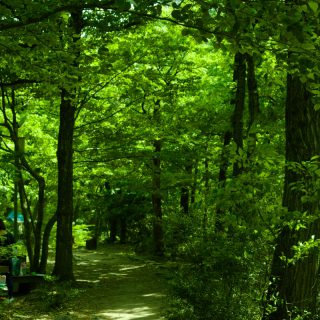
(187,128)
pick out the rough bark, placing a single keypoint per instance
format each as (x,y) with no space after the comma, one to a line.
(63,267)
(253,97)
(297,284)
(239,77)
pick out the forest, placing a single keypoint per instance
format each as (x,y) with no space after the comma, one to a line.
(188,129)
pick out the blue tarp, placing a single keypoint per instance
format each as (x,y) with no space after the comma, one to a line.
(10,216)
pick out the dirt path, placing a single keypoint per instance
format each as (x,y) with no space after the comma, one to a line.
(112,283)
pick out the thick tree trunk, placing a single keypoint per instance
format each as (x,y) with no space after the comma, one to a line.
(254,106)
(239,77)
(297,284)
(63,268)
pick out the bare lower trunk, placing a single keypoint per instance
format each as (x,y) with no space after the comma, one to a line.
(156,188)
(63,268)
(239,104)
(297,284)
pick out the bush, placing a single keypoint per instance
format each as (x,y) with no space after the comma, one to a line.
(214,282)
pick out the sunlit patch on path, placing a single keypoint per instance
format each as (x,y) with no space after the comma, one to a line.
(122,287)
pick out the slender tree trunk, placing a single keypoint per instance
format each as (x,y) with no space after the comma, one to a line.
(184,200)
(157,200)
(45,243)
(185,193)
(297,284)
(27,224)
(33,223)
(113,229)
(38,224)
(224,164)
(224,158)
(156,189)
(206,195)
(194,184)
(15,206)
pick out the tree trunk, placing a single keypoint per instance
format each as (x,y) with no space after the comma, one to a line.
(113,229)
(45,243)
(15,206)
(224,158)
(185,193)
(194,184)
(156,189)
(239,77)
(297,284)
(224,164)
(253,104)
(27,224)
(206,179)
(157,200)
(39,211)
(63,267)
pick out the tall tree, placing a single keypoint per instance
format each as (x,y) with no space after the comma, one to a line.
(63,268)
(294,277)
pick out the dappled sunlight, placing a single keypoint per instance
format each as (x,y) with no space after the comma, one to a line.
(154,295)
(131,267)
(87,281)
(128,314)
(118,274)
(88,262)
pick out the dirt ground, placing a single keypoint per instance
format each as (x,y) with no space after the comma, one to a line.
(112,283)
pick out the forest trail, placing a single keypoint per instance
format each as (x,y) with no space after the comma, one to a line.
(112,283)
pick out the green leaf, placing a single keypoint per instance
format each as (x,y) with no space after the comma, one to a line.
(314,6)
(235,3)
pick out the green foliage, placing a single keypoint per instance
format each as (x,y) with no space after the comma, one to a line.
(217,280)
(81,233)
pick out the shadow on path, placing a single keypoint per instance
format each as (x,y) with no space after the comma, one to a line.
(122,286)
(112,283)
